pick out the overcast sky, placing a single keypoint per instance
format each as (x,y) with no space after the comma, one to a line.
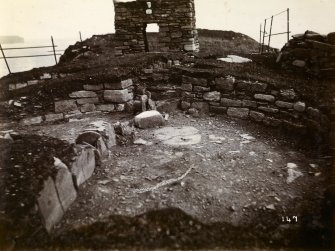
(64,18)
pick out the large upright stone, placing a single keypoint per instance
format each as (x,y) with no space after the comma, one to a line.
(105,129)
(84,164)
(49,204)
(149,119)
(65,187)
(117,96)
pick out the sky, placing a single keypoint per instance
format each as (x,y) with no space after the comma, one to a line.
(40,19)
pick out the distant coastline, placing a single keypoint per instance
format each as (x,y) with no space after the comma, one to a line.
(11,39)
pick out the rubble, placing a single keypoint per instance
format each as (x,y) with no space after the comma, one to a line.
(310,52)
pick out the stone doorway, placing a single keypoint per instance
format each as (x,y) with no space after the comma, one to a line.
(151,37)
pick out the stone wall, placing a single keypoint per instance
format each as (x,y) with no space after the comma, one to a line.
(175,18)
(260,102)
(310,52)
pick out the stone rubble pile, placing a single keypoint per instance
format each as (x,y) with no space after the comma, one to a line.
(310,52)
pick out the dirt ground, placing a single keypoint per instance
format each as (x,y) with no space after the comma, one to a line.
(219,173)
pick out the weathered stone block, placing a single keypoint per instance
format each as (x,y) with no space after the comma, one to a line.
(149,119)
(272,121)
(195,81)
(249,103)
(84,164)
(89,87)
(54,117)
(21,85)
(242,113)
(117,96)
(105,108)
(187,87)
(124,84)
(288,94)
(251,86)
(120,107)
(87,108)
(299,106)
(32,82)
(49,204)
(83,94)
(32,121)
(65,106)
(257,116)
(12,87)
(84,101)
(212,96)
(231,102)
(268,109)
(299,63)
(218,110)
(225,84)
(263,97)
(65,188)
(283,104)
(45,76)
(201,89)
(105,129)
(185,105)
(202,107)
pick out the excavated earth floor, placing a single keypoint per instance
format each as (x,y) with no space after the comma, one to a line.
(238,185)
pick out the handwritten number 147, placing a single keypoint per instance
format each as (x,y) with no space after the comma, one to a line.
(287,219)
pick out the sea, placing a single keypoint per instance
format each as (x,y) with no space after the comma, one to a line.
(28,63)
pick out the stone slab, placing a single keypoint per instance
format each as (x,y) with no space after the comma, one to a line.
(105,129)
(83,94)
(84,164)
(65,187)
(242,113)
(49,204)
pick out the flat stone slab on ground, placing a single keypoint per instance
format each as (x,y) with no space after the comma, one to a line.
(178,136)
(149,119)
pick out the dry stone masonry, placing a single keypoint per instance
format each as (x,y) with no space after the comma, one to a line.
(310,52)
(175,18)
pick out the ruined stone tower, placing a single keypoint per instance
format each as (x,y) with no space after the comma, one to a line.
(175,18)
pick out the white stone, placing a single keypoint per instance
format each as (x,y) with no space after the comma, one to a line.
(149,119)
(149,11)
(235,59)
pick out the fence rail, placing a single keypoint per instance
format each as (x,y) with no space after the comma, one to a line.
(53,46)
(264,34)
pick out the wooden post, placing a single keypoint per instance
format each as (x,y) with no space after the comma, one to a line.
(4,57)
(288,24)
(263,36)
(270,34)
(53,47)
(81,40)
(260,39)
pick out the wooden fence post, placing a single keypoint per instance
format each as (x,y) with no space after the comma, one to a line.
(4,57)
(53,47)
(270,34)
(288,24)
(263,36)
